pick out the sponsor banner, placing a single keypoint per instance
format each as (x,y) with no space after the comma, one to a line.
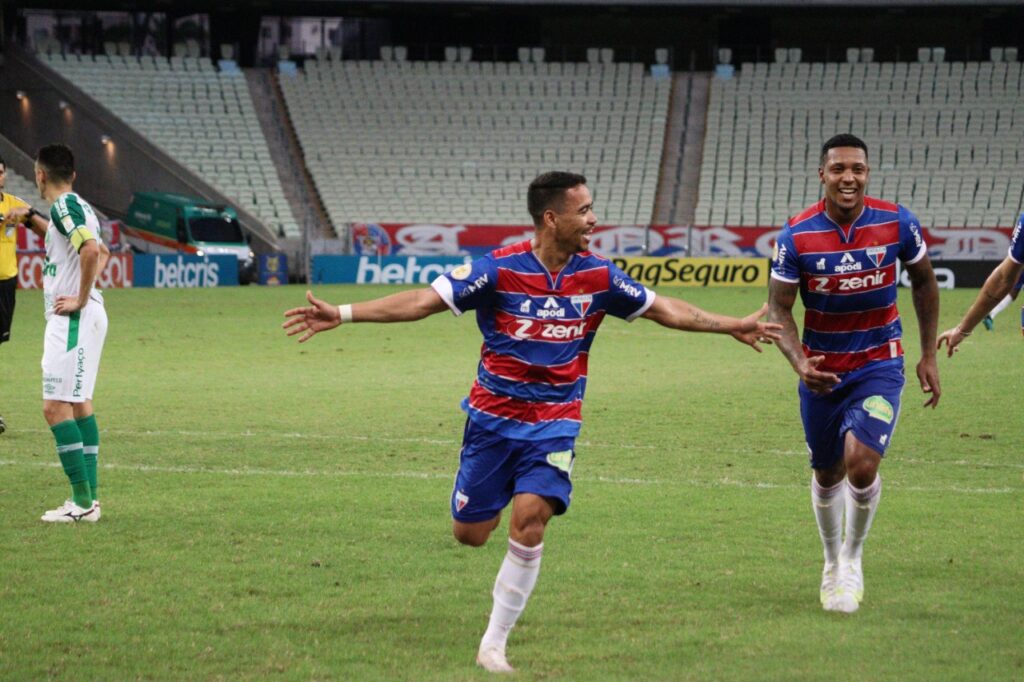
(330,269)
(273,269)
(117,274)
(956,274)
(696,272)
(110,233)
(168,271)
(657,240)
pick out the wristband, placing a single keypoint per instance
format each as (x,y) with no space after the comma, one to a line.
(346,312)
(33,212)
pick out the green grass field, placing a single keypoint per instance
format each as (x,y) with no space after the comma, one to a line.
(275,511)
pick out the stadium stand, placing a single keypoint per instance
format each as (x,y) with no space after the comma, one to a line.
(24,188)
(946,138)
(203,118)
(457,141)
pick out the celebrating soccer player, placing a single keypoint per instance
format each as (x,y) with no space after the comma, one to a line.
(1002,286)
(841,255)
(538,305)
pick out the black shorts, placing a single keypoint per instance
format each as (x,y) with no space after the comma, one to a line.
(7,287)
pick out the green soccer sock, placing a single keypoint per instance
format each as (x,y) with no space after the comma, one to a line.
(91,449)
(69,449)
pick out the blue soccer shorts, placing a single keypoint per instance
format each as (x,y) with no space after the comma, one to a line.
(867,402)
(492,469)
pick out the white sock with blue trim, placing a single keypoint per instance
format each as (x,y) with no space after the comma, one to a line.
(828,510)
(861,505)
(516,578)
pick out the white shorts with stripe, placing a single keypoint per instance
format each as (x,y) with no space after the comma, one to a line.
(71,353)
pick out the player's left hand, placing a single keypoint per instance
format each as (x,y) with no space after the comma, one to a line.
(65,305)
(753,332)
(928,375)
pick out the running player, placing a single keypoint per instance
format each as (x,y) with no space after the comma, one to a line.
(1004,282)
(538,305)
(76,326)
(841,255)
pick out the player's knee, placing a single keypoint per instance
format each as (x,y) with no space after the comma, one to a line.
(530,532)
(473,536)
(862,472)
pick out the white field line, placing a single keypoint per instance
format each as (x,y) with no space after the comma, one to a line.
(293,435)
(312,473)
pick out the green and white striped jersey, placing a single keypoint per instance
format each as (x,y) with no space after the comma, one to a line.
(72,223)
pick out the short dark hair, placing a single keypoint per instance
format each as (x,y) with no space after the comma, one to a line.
(549,188)
(58,161)
(842,140)
(2,162)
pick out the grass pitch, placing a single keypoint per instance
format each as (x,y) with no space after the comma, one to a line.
(281,511)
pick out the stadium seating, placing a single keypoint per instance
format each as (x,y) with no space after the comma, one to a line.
(458,141)
(24,188)
(946,138)
(202,118)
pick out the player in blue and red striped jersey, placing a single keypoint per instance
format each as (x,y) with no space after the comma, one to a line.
(1004,283)
(538,304)
(841,255)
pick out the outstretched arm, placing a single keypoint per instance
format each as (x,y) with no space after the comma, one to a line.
(31,218)
(675,313)
(926,305)
(320,316)
(995,289)
(781,297)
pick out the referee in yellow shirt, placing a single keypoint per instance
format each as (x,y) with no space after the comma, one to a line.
(10,217)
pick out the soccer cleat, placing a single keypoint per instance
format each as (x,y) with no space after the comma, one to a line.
(69,512)
(3,427)
(492,659)
(829,580)
(96,507)
(851,578)
(988,322)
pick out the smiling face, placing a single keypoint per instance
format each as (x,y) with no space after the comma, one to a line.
(844,173)
(573,223)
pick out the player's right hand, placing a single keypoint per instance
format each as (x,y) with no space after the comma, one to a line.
(309,320)
(952,337)
(818,382)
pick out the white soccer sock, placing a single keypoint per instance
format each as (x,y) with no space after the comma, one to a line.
(1001,306)
(861,504)
(516,578)
(828,510)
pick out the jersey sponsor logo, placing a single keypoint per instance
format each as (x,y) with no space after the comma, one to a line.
(625,286)
(848,264)
(879,408)
(779,254)
(551,309)
(462,272)
(876,254)
(820,265)
(916,231)
(478,284)
(846,284)
(68,223)
(561,460)
(581,303)
(547,331)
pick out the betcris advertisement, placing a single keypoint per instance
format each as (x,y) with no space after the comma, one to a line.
(179,270)
(366,269)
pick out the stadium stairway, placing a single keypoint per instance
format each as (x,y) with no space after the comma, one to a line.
(684,142)
(286,154)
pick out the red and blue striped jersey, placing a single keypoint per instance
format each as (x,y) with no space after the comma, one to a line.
(537,329)
(847,277)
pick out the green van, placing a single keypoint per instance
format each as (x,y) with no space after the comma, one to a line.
(161,222)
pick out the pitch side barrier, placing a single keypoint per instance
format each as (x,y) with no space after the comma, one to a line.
(696,272)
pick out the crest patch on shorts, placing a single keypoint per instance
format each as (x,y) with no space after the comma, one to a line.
(879,408)
(561,460)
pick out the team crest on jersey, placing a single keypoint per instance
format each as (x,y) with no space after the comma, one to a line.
(879,408)
(461,500)
(525,306)
(876,254)
(582,303)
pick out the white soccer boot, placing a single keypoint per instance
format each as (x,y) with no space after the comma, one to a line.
(96,507)
(69,512)
(492,659)
(829,581)
(850,590)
